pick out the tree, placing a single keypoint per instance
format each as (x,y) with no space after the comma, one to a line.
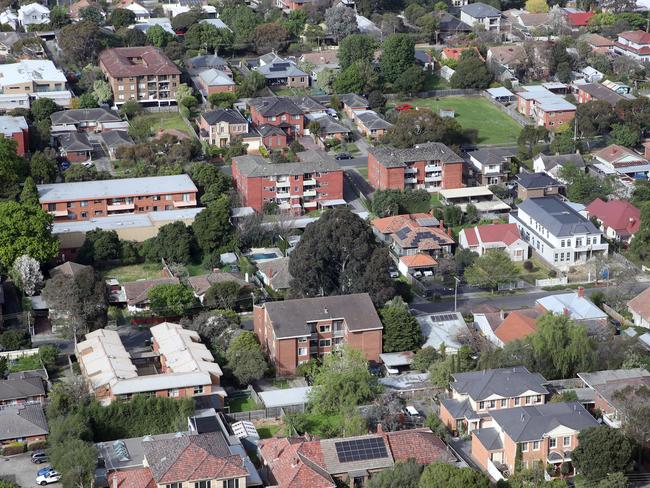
(78,172)
(582,187)
(78,42)
(377,101)
(564,143)
(171,299)
(27,275)
(245,358)
(42,108)
(222,295)
(222,100)
(12,168)
(359,77)
(471,72)
(216,328)
(420,126)
(594,118)
(29,194)
(76,460)
(251,84)
(173,243)
(42,168)
(443,475)
(564,72)
(356,47)
(158,36)
(121,17)
(537,6)
(529,137)
(614,480)
(424,358)
(491,270)
(342,382)
(212,226)
(429,24)
(398,55)
(625,135)
(134,37)
(341,22)
(92,14)
(242,20)
(81,297)
(401,330)
(102,91)
(335,257)
(410,81)
(269,37)
(635,410)
(25,230)
(405,474)
(601,450)
(100,246)
(88,100)
(618,6)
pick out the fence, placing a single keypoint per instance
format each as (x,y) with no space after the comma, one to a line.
(513,285)
(452,92)
(615,315)
(510,111)
(13,355)
(552,281)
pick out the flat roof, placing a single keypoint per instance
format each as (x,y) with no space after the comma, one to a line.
(397,358)
(87,190)
(500,91)
(285,397)
(442,328)
(472,191)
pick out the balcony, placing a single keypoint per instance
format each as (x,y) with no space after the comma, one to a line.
(184,203)
(281,195)
(432,167)
(282,184)
(338,333)
(411,171)
(59,213)
(309,182)
(410,180)
(429,179)
(313,204)
(309,193)
(120,206)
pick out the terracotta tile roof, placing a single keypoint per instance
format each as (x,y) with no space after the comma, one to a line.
(131,478)
(413,235)
(200,284)
(470,236)
(579,19)
(507,55)
(419,444)
(152,61)
(418,260)
(388,225)
(456,52)
(637,36)
(619,215)
(614,153)
(517,325)
(641,304)
(596,40)
(136,291)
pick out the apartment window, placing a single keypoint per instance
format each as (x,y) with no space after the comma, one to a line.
(566,442)
(296,117)
(324,328)
(302,340)
(588,240)
(231,483)
(173,393)
(535,445)
(517,401)
(324,343)
(562,243)
(504,402)
(198,389)
(83,203)
(98,213)
(538,399)
(481,405)
(203,484)
(524,447)
(168,197)
(121,97)
(302,351)
(578,242)
(120,88)
(492,404)
(169,207)
(338,325)
(156,198)
(84,215)
(552,442)
(174,485)
(527,401)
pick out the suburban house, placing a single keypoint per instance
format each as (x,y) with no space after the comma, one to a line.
(591,75)
(612,388)
(536,185)
(75,10)
(141,13)
(450,26)
(87,120)
(22,423)
(9,17)
(319,61)
(482,198)
(29,48)
(136,292)
(144,74)
(294,331)
(299,462)
(275,274)
(557,232)
(578,20)
(197,64)
(218,127)
(444,330)
(353,103)
(618,219)
(588,92)
(328,128)
(621,160)
(455,53)
(598,43)
(482,14)
(507,62)
(314,182)
(279,71)
(639,307)
(33,14)
(213,80)
(112,140)
(544,434)
(484,238)
(431,166)
(178,366)
(74,147)
(281,112)
(633,44)
(552,164)
(273,136)
(502,327)
(490,166)
(545,107)
(371,124)
(34,78)
(89,199)
(15,128)
(202,283)
(22,390)
(476,395)
(576,306)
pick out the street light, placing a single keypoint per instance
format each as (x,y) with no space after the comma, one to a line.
(456,293)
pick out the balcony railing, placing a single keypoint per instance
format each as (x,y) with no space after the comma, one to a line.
(309,193)
(410,170)
(410,180)
(338,333)
(429,179)
(282,195)
(120,206)
(309,182)
(432,167)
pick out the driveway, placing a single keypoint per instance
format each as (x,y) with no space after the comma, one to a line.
(20,470)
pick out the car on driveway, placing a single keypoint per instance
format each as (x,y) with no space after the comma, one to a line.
(39,456)
(51,477)
(343,155)
(45,470)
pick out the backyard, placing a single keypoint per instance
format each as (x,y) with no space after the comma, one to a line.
(134,272)
(473,113)
(242,404)
(166,120)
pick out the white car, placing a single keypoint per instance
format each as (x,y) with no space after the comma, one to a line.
(87,164)
(46,479)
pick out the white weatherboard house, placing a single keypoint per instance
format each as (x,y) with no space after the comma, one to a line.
(557,232)
(33,14)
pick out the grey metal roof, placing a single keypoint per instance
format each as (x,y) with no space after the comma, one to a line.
(116,138)
(19,421)
(602,377)
(215,77)
(307,104)
(479,10)
(505,382)
(206,62)
(600,92)
(153,185)
(285,397)
(290,317)
(579,308)
(329,125)
(14,389)
(258,166)
(562,160)
(531,423)
(490,438)
(229,115)
(559,218)
(276,67)
(78,116)
(536,180)
(431,151)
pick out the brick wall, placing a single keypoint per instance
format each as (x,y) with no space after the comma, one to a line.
(452,175)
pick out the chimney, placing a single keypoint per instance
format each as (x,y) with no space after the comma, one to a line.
(380,429)
(565,312)
(581,291)
(502,315)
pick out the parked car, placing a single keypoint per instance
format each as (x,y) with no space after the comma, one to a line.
(87,164)
(51,477)
(44,471)
(393,273)
(411,411)
(403,107)
(39,456)
(343,155)
(64,165)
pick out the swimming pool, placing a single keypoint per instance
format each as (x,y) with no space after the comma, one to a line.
(260,256)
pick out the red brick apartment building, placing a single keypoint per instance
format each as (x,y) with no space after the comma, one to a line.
(294,331)
(89,199)
(278,111)
(316,181)
(431,166)
(545,107)
(15,128)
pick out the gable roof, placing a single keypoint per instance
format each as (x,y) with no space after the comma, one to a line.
(479,10)
(507,55)
(432,151)
(412,235)
(19,421)
(16,389)
(372,120)
(200,284)
(192,457)
(131,478)
(74,141)
(136,291)
(615,153)
(579,19)
(596,40)
(277,273)
(557,217)
(495,155)
(636,36)
(422,445)
(388,225)
(274,106)
(619,215)
(491,233)
(641,304)
(551,161)
(504,382)
(215,77)
(536,180)
(353,100)
(600,92)
(418,260)
(579,308)
(69,268)
(116,138)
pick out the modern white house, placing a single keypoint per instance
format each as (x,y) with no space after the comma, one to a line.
(481,14)
(557,232)
(633,44)
(33,14)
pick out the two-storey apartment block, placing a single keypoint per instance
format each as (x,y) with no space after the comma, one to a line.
(431,166)
(143,74)
(477,394)
(490,166)
(87,120)
(294,331)
(278,111)
(16,391)
(557,232)
(89,199)
(481,14)
(34,78)
(545,107)
(219,127)
(316,181)
(633,44)
(544,434)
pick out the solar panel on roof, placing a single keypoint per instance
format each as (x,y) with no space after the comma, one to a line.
(361,449)
(444,317)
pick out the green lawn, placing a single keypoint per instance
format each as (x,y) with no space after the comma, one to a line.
(268,431)
(494,127)
(363,172)
(166,120)
(242,404)
(435,200)
(133,272)
(196,269)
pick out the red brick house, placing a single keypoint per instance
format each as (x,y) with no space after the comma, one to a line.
(273,137)
(22,423)
(22,390)
(294,331)
(316,181)
(75,147)
(431,166)
(17,129)
(545,107)
(280,112)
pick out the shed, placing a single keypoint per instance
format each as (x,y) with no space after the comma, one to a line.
(393,361)
(501,94)
(285,397)
(447,113)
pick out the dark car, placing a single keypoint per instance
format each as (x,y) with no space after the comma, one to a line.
(343,155)
(39,457)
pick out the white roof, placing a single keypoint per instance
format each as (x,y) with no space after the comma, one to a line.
(9,124)
(30,70)
(183,350)
(285,397)
(27,9)
(156,382)
(579,308)
(500,91)
(443,328)
(391,359)
(136,8)
(87,190)
(546,99)
(471,191)
(244,428)
(218,23)
(215,77)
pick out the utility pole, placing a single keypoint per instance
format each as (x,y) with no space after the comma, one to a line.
(456,293)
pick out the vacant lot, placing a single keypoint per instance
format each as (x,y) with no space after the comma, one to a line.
(166,120)
(134,272)
(494,127)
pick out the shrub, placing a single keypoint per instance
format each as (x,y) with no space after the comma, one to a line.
(528,266)
(33,446)
(14,448)
(552,273)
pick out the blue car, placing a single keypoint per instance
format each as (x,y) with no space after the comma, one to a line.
(64,165)
(45,471)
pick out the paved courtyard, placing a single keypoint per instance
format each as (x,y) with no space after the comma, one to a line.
(21,471)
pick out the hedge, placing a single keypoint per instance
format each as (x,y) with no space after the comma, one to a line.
(33,446)
(14,448)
